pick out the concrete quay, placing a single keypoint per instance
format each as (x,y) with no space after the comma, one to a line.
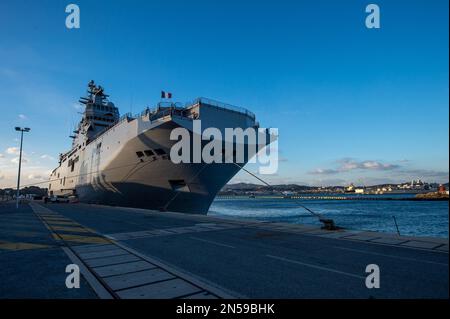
(135,253)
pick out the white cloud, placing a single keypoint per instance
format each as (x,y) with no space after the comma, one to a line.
(429,175)
(324,171)
(15,160)
(33,176)
(348,164)
(22,117)
(13,150)
(377,165)
(329,182)
(394,173)
(1,155)
(48,157)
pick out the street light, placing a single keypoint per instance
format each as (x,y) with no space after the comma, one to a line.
(21,130)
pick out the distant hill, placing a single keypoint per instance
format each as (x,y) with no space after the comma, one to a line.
(242,186)
(254,187)
(250,187)
(292,187)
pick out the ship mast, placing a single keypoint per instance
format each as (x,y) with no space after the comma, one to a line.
(98,115)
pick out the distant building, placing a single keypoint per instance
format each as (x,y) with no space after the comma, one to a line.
(350,188)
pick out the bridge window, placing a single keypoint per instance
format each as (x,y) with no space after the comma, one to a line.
(139,154)
(149,152)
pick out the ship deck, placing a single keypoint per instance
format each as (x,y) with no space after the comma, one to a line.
(136,253)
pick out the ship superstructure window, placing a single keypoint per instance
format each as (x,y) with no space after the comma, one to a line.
(98,118)
(149,153)
(139,154)
(72,162)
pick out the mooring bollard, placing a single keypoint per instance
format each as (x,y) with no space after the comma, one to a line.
(328,224)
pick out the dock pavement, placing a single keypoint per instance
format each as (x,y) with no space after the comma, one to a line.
(128,253)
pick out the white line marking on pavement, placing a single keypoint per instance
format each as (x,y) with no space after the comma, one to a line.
(317,267)
(185,275)
(211,242)
(391,256)
(101,291)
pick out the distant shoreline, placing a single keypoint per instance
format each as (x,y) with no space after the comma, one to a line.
(355,198)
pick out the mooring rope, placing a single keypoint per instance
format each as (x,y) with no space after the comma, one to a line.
(328,223)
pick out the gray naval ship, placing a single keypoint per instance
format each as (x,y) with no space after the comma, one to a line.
(125,160)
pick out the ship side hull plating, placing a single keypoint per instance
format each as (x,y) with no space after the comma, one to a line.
(147,190)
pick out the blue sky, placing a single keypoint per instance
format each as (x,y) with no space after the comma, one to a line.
(351,104)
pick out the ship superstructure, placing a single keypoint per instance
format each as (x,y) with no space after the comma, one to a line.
(125,160)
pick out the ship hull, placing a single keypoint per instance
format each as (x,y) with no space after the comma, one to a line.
(150,190)
(156,182)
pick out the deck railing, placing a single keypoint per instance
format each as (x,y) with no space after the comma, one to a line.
(221,105)
(169,108)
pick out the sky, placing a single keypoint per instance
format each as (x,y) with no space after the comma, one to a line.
(351,104)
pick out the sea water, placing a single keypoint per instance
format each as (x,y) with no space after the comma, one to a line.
(416,218)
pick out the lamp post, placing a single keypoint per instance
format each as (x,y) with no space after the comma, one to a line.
(21,130)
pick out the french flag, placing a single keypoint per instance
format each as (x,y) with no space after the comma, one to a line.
(166,95)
